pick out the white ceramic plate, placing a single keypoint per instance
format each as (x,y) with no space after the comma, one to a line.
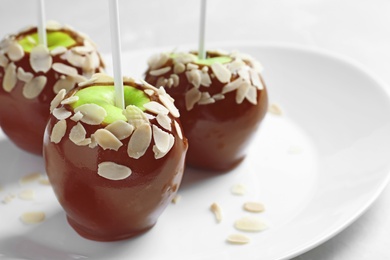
(316,168)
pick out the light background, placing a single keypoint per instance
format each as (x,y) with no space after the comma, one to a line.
(359,29)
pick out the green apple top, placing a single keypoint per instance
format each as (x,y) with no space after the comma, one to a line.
(104,96)
(54,39)
(206,62)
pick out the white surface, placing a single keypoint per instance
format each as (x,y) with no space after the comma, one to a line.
(316,168)
(355,28)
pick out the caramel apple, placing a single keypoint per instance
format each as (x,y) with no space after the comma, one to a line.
(32,74)
(222,100)
(114,171)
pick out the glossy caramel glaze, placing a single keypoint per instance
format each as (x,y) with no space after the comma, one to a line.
(218,133)
(106,210)
(23,120)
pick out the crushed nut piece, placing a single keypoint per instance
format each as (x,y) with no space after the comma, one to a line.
(275,110)
(27,195)
(254,206)
(33,217)
(250,224)
(30,178)
(216,209)
(238,189)
(238,239)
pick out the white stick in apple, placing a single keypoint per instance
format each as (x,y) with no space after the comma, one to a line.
(116,53)
(201,50)
(41,23)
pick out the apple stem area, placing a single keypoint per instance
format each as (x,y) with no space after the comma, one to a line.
(116,53)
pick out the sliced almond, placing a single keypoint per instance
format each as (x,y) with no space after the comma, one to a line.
(254,206)
(58,131)
(24,76)
(15,51)
(113,171)
(92,114)
(57,99)
(216,209)
(149,92)
(236,65)
(275,110)
(232,85)
(30,178)
(219,96)
(3,60)
(85,142)
(184,57)
(107,140)
(179,68)
(191,66)
(159,154)
(64,69)
(175,79)
(26,195)
(255,78)
(58,51)
(238,189)
(242,92)
(250,224)
(157,60)
(64,82)
(167,101)
(205,79)
(120,129)
(10,77)
(194,77)
(53,25)
(221,72)
(176,199)
(135,116)
(34,87)
(33,217)
(40,59)
(178,130)
(192,97)
(77,116)
(161,139)
(61,113)
(159,72)
(70,100)
(251,95)
(238,239)
(156,108)
(77,133)
(165,121)
(139,141)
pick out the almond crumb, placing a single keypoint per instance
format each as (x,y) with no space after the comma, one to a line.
(30,178)
(33,217)
(238,239)
(254,207)
(176,199)
(250,224)
(216,209)
(238,189)
(275,110)
(27,195)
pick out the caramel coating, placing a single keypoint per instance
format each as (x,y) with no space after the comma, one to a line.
(23,120)
(103,209)
(218,133)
